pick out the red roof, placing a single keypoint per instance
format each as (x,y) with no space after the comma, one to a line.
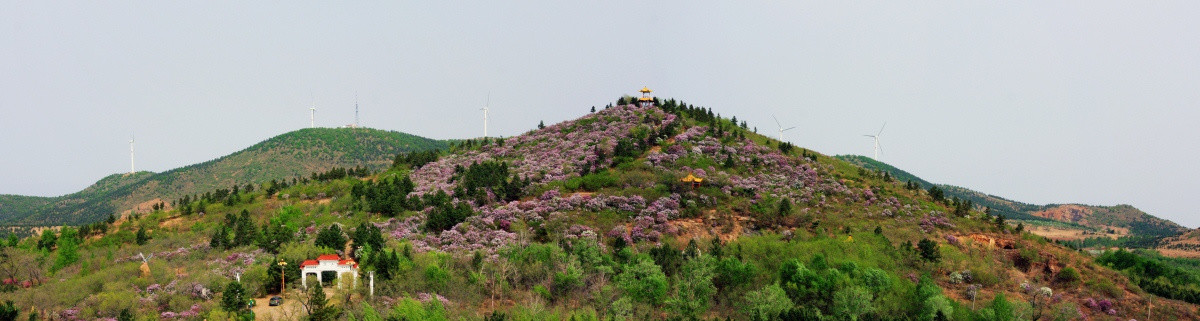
(348,262)
(329,257)
(309,262)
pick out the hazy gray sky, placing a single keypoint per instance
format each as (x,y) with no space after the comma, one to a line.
(1084,101)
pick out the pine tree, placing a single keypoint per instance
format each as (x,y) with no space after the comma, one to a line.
(8,311)
(541,125)
(245,232)
(318,309)
(141,236)
(125,315)
(234,297)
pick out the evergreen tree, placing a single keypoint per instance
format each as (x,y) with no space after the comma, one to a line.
(274,235)
(367,235)
(541,125)
(937,194)
(141,236)
(48,240)
(929,250)
(8,312)
(318,305)
(125,315)
(785,208)
(245,232)
(220,238)
(234,298)
(331,237)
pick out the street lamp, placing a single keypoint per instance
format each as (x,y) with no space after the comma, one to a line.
(282,277)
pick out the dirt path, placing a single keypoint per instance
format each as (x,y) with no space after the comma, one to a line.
(290,310)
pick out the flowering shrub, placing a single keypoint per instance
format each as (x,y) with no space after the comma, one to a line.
(953,240)
(553,153)
(933,221)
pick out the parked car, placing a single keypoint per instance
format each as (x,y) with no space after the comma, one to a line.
(275,301)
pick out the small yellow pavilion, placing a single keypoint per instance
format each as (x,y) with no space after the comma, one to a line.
(695,181)
(645,100)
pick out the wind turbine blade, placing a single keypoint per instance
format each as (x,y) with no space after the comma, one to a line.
(880,146)
(777,121)
(881,128)
(789,128)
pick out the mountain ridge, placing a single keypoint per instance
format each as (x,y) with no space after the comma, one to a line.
(296,153)
(1100,217)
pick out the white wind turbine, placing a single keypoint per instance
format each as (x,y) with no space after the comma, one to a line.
(485,114)
(131,168)
(312,118)
(878,148)
(781,129)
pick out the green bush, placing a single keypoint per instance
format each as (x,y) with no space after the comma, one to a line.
(1068,276)
(436,277)
(643,281)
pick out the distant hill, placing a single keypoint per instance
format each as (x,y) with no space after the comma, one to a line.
(1137,222)
(293,154)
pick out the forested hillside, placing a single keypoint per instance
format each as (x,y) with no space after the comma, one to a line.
(286,156)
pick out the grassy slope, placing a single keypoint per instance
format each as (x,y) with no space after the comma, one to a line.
(285,156)
(1139,223)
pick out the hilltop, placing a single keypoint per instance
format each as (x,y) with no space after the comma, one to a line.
(1126,224)
(665,212)
(290,155)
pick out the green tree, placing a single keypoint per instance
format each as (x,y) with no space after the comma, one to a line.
(929,250)
(367,234)
(125,315)
(785,208)
(220,238)
(694,287)
(318,306)
(331,237)
(244,231)
(234,298)
(1000,309)
(141,236)
(48,241)
(643,281)
(274,235)
(731,273)
(8,312)
(852,302)
(68,248)
(12,240)
(767,303)
(937,194)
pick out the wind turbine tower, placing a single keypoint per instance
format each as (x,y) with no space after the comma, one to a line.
(781,129)
(131,168)
(356,111)
(485,114)
(312,118)
(878,148)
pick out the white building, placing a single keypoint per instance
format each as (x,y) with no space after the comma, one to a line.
(328,263)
